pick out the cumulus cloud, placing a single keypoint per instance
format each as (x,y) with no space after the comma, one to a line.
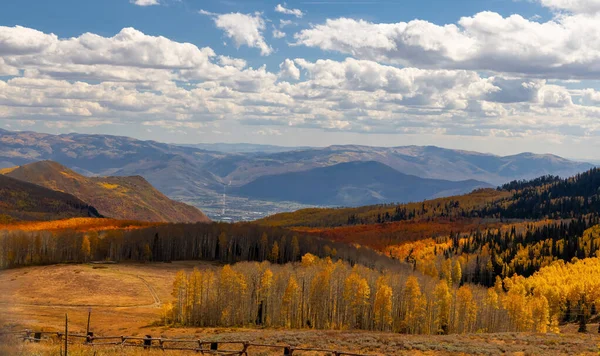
(287,69)
(294,12)
(132,78)
(144,2)
(485,41)
(278,34)
(575,6)
(243,29)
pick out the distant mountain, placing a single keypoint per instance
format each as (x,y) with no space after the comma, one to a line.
(353,184)
(201,175)
(131,198)
(25,201)
(422,161)
(243,147)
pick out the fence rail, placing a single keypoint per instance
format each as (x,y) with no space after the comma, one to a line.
(209,347)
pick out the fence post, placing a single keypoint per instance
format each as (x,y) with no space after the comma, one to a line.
(66,334)
(148,341)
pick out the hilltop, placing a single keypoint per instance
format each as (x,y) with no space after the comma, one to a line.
(25,201)
(127,198)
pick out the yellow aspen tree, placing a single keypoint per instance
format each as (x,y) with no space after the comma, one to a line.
(492,303)
(180,295)
(447,271)
(232,290)
(309,259)
(443,305)
(356,294)
(194,302)
(456,273)
(466,310)
(383,305)
(414,306)
(266,283)
(540,312)
(515,304)
(86,249)
(290,301)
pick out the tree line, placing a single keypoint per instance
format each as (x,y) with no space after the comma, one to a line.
(323,294)
(222,242)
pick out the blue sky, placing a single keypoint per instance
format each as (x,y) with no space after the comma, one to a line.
(498,76)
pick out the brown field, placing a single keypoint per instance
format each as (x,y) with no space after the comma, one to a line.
(125,300)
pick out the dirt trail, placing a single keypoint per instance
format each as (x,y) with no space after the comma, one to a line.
(152,291)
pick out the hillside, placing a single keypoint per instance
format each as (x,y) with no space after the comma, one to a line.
(127,198)
(519,228)
(25,201)
(352,184)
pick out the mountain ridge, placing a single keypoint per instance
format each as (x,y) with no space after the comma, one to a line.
(353,184)
(128,198)
(21,200)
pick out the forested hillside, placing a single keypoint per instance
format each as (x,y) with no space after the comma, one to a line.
(545,197)
(128,198)
(516,229)
(25,201)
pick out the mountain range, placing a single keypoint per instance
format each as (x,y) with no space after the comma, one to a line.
(212,180)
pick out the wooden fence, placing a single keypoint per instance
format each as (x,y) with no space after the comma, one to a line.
(211,347)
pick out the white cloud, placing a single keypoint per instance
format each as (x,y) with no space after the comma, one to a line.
(565,47)
(243,29)
(21,40)
(294,12)
(283,23)
(554,96)
(574,6)
(278,34)
(133,78)
(144,2)
(590,97)
(287,69)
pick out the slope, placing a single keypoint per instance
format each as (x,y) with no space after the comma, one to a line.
(130,198)
(25,201)
(352,184)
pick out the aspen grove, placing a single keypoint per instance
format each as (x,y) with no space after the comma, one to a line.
(323,294)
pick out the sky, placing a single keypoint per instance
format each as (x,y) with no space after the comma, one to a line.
(499,76)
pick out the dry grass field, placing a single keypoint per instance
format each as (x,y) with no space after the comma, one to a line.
(125,300)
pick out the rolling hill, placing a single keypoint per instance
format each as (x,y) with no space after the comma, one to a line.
(25,201)
(129,198)
(352,184)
